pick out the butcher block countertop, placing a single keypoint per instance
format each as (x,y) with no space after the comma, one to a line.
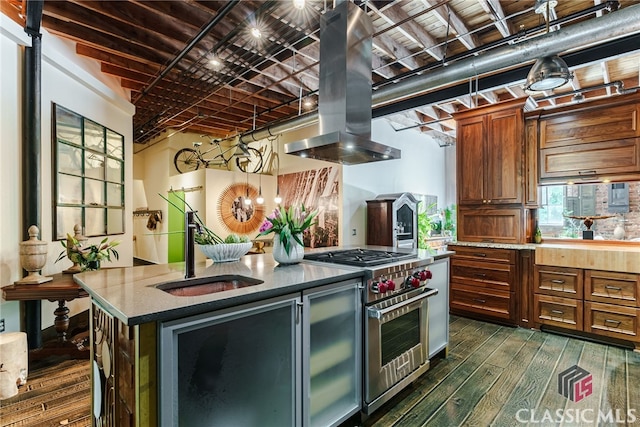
(608,256)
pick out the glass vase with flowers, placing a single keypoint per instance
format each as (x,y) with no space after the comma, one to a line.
(288,224)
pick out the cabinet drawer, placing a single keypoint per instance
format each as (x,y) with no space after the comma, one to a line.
(589,161)
(557,311)
(558,281)
(484,254)
(590,125)
(487,302)
(483,274)
(612,287)
(611,320)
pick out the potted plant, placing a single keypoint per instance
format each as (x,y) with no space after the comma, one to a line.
(88,257)
(288,226)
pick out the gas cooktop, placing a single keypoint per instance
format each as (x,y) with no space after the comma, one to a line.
(359,257)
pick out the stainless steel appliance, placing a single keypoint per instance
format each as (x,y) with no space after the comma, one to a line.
(396,334)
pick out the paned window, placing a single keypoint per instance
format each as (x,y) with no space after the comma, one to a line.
(88,177)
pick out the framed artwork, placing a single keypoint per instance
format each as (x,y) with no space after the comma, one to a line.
(235,214)
(315,189)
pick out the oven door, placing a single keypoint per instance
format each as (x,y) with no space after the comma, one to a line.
(396,342)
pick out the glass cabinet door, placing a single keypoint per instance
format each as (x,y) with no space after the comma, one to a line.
(333,338)
(236,367)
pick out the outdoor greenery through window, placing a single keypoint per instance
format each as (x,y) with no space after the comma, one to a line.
(88,176)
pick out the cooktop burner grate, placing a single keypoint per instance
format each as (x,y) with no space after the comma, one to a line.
(359,257)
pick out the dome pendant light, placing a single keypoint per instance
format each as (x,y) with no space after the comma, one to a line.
(548,73)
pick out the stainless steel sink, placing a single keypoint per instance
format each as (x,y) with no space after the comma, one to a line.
(207,285)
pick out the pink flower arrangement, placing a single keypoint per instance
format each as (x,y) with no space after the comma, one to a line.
(287,224)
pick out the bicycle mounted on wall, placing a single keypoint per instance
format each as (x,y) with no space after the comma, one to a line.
(247,159)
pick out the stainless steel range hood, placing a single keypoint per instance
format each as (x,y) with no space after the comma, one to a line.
(344,103)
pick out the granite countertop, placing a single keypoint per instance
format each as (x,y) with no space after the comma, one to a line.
(531,246)
(130,294)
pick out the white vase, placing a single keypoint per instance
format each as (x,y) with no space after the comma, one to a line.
(295,255)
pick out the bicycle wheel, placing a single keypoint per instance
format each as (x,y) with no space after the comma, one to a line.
(251,163)
(186,160)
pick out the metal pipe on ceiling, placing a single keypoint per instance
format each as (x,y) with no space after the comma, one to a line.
(603,29)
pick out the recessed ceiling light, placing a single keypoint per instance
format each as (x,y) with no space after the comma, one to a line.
(255,32)
(299,4)
(215,62)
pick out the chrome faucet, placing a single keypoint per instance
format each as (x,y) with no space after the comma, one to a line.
(189,245)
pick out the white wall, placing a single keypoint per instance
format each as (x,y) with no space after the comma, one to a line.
(67,81)
(421,169)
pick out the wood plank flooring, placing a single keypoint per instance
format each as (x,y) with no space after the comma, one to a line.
(492,376)
(500,376)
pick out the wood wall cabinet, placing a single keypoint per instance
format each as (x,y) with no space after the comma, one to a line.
(483,283)
(591,142)
(490,150)
(491,187)
(599,302)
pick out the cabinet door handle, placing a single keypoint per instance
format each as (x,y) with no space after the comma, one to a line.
(613,288)
(586,172)
(557,281)
(481,275)
(480,254)
(615,322)
(557,312)
(480,300)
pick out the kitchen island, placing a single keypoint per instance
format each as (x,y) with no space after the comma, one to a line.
(285,351)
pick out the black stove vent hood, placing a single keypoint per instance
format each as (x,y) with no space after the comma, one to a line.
(344,103)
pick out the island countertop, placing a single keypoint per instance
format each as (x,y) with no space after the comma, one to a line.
(130,293)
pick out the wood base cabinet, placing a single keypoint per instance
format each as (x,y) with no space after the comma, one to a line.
(483,283)
(603,303)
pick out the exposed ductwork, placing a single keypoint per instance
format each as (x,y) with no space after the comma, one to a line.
(599,30)
(344,103)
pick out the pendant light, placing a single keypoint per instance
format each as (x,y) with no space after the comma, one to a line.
(277,199)
(548,72)
(260,199)
(247,200)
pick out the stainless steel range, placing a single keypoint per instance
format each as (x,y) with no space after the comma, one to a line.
(396,336)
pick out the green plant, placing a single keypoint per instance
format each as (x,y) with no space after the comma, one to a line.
(204,235)
(287,224)
(449,223)
(84,255)
(425,225)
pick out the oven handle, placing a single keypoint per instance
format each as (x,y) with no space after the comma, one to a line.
(379,314)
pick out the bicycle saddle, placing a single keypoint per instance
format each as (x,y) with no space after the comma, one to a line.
(197,144)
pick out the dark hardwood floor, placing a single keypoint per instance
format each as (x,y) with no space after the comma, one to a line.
(500,376)
(492,376)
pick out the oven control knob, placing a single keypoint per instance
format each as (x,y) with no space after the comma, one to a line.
(379,287)
(424,275)
(412,282)
(383,287)
(391,285)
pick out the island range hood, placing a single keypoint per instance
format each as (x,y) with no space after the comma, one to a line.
(344,102)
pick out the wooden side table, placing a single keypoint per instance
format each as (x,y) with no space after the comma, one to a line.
(62,289)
